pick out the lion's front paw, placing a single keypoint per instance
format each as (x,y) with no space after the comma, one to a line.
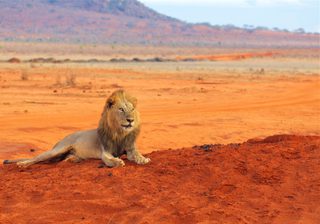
(24,164)
(142,160)
(115,162)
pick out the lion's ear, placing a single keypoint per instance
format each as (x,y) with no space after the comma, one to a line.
(134,101)
(131,99)
(110,102)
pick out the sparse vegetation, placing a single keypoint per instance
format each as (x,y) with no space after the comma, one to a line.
(200,79)
(300,30)
(24,75)
(116,86)
(58,81)
(14,60)
(71,80)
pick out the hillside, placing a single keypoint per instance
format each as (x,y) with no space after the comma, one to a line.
(125,22)
(130,8)
(260,181)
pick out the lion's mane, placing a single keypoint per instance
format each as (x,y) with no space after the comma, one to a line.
(114,139)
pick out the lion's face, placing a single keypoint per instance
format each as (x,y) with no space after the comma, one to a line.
(125,116)
(122,114)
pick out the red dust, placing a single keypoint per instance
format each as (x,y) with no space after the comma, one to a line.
(274,180)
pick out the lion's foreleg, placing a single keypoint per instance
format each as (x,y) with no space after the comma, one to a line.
(110,160)
(134,155)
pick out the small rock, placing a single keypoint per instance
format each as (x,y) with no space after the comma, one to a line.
(101,165)
(206,147)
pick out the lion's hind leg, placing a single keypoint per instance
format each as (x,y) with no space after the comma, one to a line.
(72,158)
(48,155)
(7,161)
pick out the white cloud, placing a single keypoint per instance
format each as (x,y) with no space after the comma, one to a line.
(228,2)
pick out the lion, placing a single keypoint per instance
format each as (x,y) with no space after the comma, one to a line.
(116,135)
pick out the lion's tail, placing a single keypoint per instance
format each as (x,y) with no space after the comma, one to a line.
(12,161)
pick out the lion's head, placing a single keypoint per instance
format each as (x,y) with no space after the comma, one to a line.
(119,117)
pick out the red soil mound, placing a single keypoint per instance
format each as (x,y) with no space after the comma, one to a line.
(275,180)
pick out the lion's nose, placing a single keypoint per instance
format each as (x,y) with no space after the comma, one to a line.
(130,120)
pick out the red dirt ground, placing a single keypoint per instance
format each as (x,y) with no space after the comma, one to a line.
(227,57)
(274,180)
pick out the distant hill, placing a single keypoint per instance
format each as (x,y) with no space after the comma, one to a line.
(126,22)
(130,8)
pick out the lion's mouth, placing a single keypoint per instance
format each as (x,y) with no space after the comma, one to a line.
(126,126)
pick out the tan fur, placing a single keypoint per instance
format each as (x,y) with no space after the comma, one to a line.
(116,134)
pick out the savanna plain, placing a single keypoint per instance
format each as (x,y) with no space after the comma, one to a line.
(206,124)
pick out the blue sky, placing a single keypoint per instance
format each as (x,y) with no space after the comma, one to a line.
(284,14)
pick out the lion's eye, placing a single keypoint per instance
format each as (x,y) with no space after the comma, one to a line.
(121,109)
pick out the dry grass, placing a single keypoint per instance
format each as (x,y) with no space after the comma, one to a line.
(24,75)
(70,80)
